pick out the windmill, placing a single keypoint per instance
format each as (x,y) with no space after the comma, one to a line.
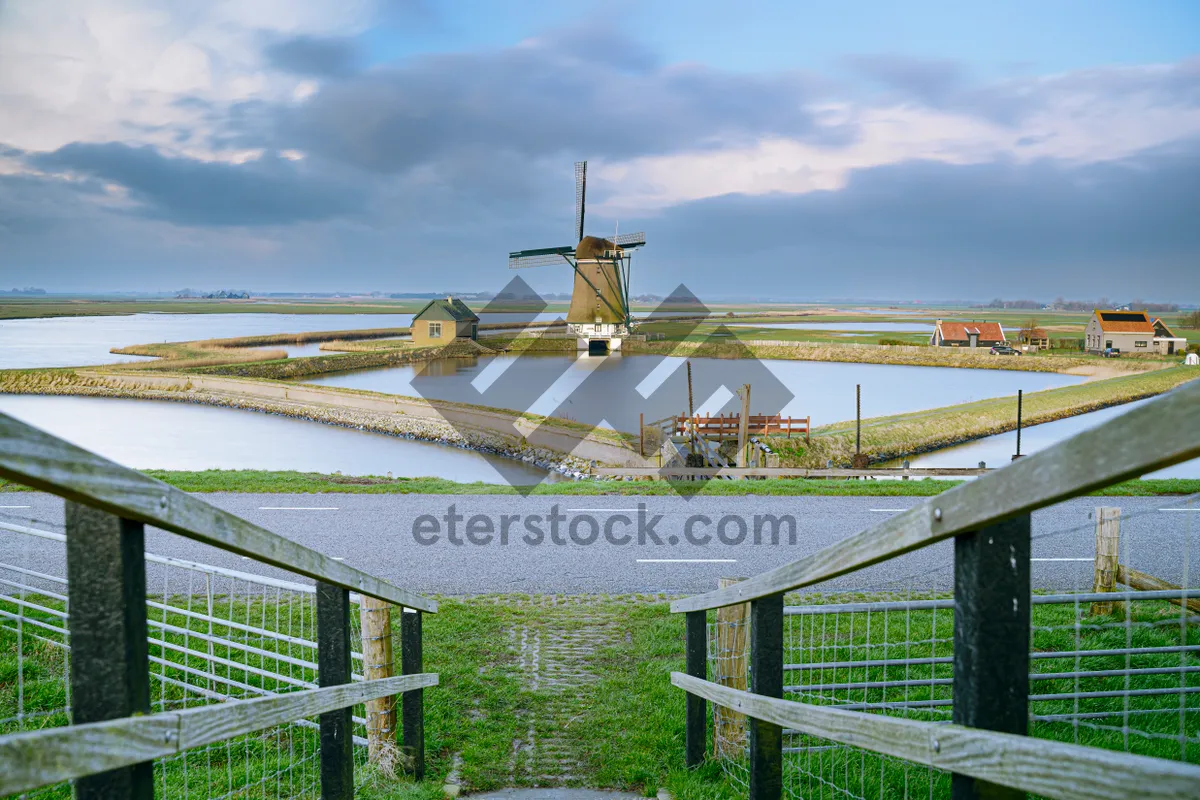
(599,314)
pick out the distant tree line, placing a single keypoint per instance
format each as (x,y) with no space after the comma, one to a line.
(1190,320)
(26,290)
(1062,304)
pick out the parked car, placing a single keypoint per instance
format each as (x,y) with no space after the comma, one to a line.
(1112,352)
(1004,350)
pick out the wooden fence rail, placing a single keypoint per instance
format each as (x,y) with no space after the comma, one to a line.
(110,747)
(726,425)
(989,519)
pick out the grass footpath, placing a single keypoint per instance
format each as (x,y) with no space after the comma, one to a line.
(289,482)
(575,691)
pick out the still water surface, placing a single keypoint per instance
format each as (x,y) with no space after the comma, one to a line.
(613,390)
(147,434)
(997,451)
(86,341)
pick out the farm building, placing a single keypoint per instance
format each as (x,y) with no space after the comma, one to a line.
(967,334)
(443,321)
(1036,338)
(1129,332)
(1165,340)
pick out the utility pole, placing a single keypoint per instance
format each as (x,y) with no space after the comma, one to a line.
(1020,398)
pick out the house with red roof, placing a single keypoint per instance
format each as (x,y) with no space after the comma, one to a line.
(967,334)
(1126,331)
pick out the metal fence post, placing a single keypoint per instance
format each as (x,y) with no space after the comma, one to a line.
(766,678)
(333,669)
(991,639)
(110,668)
(412,710)
(696,729)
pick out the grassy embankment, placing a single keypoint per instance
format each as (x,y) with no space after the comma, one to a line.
(901,435)
(610,717)
(914,356)
(290,482)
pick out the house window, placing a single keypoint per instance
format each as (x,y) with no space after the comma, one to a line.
(435,330)
(1108,344)
(1139,344)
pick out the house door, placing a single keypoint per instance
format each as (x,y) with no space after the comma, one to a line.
(474,330)
(1170,348)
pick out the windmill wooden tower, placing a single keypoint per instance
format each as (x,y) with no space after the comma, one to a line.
(599,314)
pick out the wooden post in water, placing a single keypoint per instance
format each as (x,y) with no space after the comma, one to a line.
(378,662)
(744,425)
(731,669)
(642,435)
(1108,538)
(691,410)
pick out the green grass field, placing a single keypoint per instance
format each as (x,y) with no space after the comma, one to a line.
(266,482)
(620,724)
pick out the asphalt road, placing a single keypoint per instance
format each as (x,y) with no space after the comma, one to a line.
(379,534)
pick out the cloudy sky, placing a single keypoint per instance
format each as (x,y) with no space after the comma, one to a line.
(918,150)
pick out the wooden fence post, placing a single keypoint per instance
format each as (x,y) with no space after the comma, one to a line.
(744,426)
(731,669)
(991,639)
(333,669)
(110,668)
(1108,539)
(696,727)
(378,662)
(766,678)
(413,704)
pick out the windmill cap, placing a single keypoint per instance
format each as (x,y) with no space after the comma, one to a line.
(593,247)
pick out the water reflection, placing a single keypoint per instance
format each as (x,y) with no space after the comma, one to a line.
(145,434)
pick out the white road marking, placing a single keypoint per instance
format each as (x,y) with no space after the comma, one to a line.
(1179,509)
(612,510)
(14,506)
(1062,559)
(889,510)
(338,558)
(297,508)
(687,561)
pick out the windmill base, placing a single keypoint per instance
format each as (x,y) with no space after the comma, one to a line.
(598,338)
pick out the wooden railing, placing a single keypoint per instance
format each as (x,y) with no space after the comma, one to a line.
(109,748)
(990,521)
(722,425)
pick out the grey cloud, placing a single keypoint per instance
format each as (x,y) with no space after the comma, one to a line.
(944,85)
(932,81)
(320,57)
(269,191)
(546,98)
(917,230)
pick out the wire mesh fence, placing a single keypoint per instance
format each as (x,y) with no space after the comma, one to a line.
(1117,668)
(214,635)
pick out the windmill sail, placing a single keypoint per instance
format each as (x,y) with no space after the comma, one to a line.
(628,240)
(580,197)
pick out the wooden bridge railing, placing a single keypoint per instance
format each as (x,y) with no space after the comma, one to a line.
(722,425)
(989,519)
(110,747)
